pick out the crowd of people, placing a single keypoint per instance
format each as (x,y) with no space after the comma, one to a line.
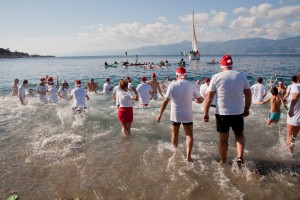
(231,105)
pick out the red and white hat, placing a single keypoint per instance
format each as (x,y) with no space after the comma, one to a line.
(42,79)
(77,82)
(144,79)
(207,80)
(50,79)
(128,78)
(180,71)
(226,61)
(153,75)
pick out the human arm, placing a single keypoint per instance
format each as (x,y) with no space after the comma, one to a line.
(57,83)
(162,108)
(248,101)
(209,98)
(136,96)
(87,97)
(283,104)
(159,90)
(264,102)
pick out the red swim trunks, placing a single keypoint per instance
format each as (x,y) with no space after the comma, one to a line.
(125,114)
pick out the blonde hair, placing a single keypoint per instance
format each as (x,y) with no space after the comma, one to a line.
(123,84)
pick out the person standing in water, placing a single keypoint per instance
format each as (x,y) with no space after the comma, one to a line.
(155,87)
(125,102)
(53,90)
(80,96)
(259,91)
(275,102)
(42,89)
(91,86)
(22,91)
(293,117)
(231,87)
(106,86)
(181,93)
(15,87)
(63,91)
(144,90)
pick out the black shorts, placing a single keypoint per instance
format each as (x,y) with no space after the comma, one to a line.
(178,123)
(224,122)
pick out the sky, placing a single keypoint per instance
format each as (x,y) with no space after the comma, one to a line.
(95,27)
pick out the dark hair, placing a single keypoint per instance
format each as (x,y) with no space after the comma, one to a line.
(294,79)
(123,84)
(274,91)
(259,79)
(25,82)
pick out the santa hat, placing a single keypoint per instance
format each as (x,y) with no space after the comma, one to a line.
(153,75)
(180,71)
(226,61)
(128,78)
(50,79)
(77,82)
(207,80)
(42,79)
(108,79)
(144,79)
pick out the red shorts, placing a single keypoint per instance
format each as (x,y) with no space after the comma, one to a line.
(125,114)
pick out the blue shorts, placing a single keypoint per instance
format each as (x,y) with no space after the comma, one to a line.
(275,116)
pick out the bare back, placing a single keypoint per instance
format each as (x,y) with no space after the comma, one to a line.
(275,102)
(154,84)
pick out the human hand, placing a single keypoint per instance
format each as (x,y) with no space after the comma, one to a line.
(246,112)
(205,117)
(158,118)
(291,113)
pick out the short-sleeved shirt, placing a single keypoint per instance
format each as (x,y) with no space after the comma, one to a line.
(106,88)
(53,93)
(181,93)
(42,89)
(63,91)
(124,99)
(79,97)
(295,120)
(229,86)
(258,91)
(21,92)
(144,90)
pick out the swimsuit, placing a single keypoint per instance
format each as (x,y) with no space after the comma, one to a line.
(274,116)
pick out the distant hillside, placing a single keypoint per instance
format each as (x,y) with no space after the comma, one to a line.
(241,46)
(6,53)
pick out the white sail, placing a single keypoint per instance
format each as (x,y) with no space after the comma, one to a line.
(194,39)
(195,54)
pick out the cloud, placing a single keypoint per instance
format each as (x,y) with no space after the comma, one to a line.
(245,23)
(260,11)
(285,12)
(162,19)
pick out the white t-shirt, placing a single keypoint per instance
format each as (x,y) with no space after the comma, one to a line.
(295,120)
(144,90)
(43,89)
(229,87)
(203,89)
(79,97)
(124,99)
(258,91)
(53,93)
(130,86)
(106,88)
(63,91)
(181,93)
(21,92)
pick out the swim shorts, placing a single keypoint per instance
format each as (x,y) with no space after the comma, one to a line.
(178,123)
(224,122)
(125,114)
(274,116)
(154,96)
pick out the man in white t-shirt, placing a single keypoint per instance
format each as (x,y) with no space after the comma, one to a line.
(21,92)
(181,94)
(115,92)
(130,86)
(233,103)
(287,97)
(42,90)
(293,117)
(144,90)
(258,90)
(203,92)
(79,95)
(107,87)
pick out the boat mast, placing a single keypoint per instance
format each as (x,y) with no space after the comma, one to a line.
(194,39)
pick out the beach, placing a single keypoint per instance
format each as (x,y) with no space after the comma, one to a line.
(46,154)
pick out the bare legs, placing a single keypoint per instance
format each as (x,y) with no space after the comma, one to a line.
(291,134)
(223,145)
(126,127)
(188,129)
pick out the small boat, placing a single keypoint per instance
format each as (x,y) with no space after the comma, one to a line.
(110,65)
(212,63)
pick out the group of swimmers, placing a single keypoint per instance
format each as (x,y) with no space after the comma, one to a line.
(148,90)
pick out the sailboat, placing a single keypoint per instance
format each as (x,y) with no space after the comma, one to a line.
(195,54)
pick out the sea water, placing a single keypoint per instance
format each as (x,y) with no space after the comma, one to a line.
(45,153)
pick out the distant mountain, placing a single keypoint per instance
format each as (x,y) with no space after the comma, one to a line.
(6,53)
(241,46)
